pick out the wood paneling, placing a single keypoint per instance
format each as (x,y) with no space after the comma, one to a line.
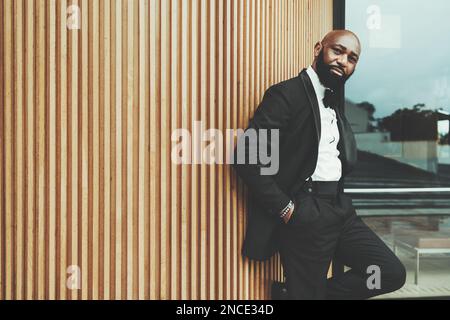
(85,131)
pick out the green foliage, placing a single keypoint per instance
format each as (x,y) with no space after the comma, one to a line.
(413,124)
(444,139)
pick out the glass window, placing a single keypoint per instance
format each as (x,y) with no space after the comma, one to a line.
(398,103)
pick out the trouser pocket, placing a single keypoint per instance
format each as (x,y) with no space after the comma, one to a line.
(306,210)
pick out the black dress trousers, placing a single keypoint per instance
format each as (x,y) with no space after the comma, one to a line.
(326,227)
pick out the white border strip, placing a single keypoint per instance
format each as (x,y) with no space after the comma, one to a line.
(396,190)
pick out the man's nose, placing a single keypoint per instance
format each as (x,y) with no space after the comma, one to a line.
(342,60)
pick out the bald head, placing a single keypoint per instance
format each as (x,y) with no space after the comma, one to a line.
(344,37)
(336,57)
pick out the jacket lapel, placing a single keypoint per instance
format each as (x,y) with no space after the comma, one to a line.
(348,144)
(309,89)
(342,137)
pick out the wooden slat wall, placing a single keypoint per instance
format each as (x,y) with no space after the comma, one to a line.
(85,132)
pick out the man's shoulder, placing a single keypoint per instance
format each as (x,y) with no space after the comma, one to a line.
(290,87)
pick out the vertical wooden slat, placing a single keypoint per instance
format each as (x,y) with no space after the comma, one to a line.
(8,140)
(50,144)
(112,155)
(40,145)
(165,173)
(142,107)
(259,266)
(95,149)
(135,141)
(83,221)
(194,103)
(115,176)
(235,254)
(174,170)
(117,18)
(101,149)
(227,124)
(251,89)
(73,143)
(155,102)
(64,263)
(185,216)
(19,157)
(202,76)
(129,147)
(106,75)
(59,151)
(126,272)
(91,151)
(219,121)
(2,165)
(146,195)
(238,115)
(246,108)
(212,205)
(29,150)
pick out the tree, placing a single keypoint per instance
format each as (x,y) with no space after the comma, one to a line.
(444,139)
(413,124)
(369,107)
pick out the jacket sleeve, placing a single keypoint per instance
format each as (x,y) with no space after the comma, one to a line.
(273,112)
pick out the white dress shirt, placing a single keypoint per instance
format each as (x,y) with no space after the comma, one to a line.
(329,167)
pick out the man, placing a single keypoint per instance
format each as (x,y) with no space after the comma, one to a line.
(301,211)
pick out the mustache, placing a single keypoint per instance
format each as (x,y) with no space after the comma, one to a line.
(338,68)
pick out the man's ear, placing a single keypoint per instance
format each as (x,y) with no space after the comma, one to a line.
(317,49)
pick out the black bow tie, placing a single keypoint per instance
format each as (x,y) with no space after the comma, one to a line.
(331,99)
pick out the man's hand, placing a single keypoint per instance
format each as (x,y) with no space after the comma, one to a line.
(288,216)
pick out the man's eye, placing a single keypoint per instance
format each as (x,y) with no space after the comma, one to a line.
(337,51)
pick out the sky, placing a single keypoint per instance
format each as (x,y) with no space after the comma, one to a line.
(405,56)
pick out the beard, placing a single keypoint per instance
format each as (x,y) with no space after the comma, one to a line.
(327,77)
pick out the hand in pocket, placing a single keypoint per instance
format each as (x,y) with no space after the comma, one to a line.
(305,210)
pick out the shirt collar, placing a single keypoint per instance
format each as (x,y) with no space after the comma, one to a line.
(319,88)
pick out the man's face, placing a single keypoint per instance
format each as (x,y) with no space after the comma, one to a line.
(337,60)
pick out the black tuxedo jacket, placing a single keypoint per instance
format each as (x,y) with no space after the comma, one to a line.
(290,106)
